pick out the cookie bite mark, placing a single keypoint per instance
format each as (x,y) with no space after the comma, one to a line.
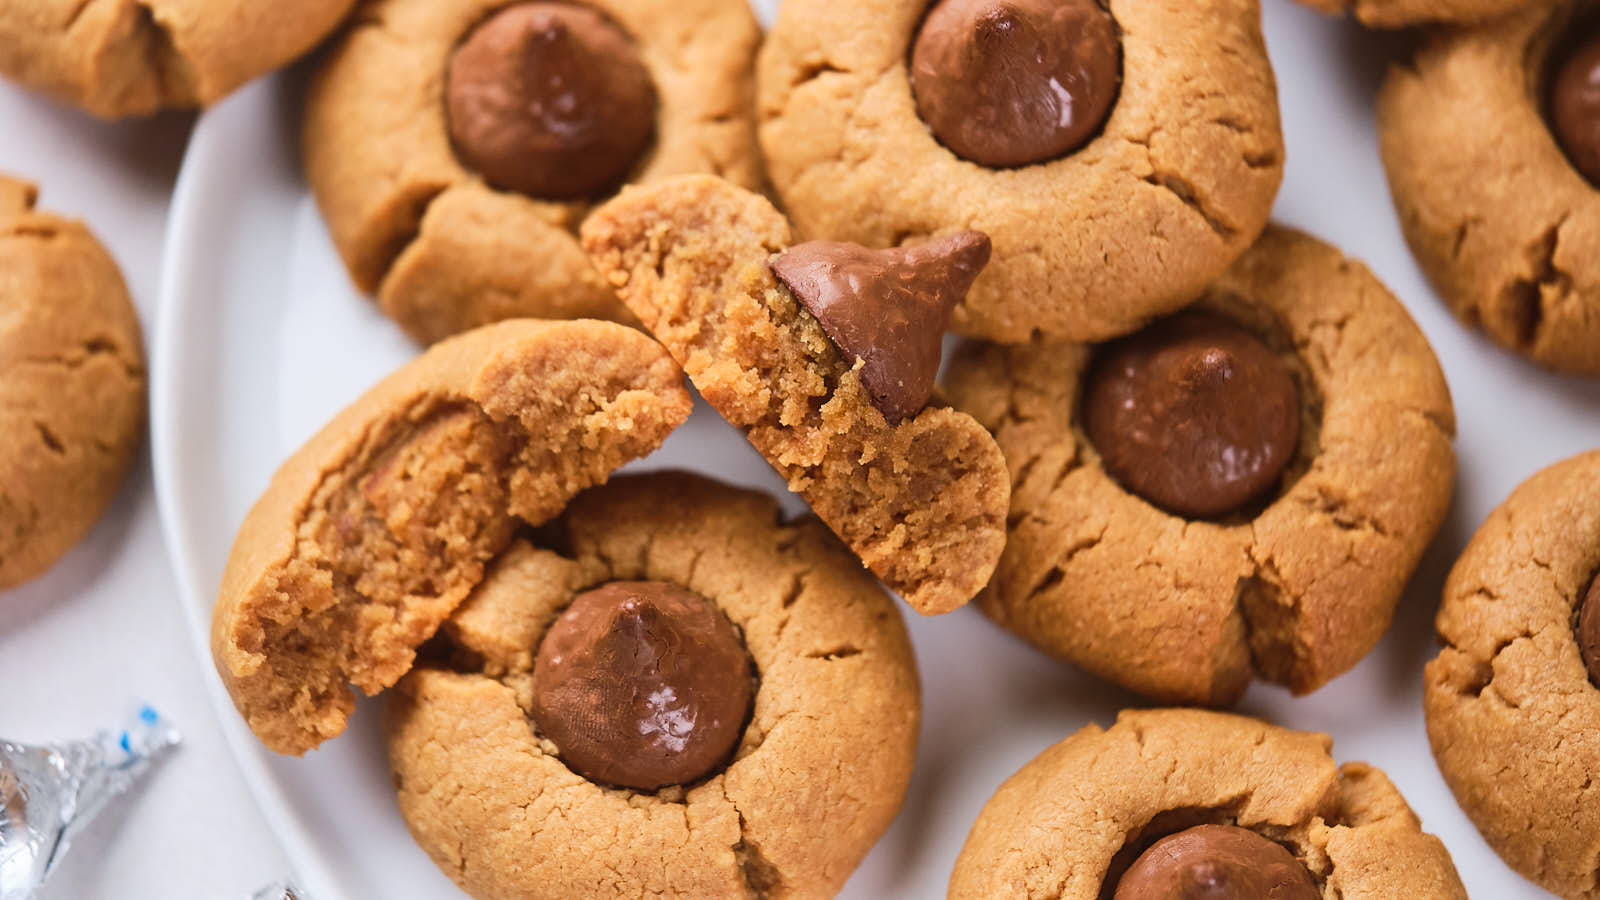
(550,99)
(377,528)
(1016,82)
(921,503)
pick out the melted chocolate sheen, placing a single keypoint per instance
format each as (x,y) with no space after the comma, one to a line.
(1575,107)
(550,99)
(1589,631)
(888,308)
(642,685)
(1216,862)
(1194,413)
(1016,82)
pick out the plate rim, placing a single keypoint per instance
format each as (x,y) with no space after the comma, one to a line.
(201,166)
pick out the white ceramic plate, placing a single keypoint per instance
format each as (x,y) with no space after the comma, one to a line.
(261,339)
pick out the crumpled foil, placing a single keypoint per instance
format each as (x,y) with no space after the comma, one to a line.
(48,794)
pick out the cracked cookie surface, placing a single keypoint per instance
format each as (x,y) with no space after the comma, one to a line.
(72,384)
(1506,229)
(443,250)
(1512,716)
(1076,816)
(1297,592)
(379,526)
(119,58)
(921,503)
(1086,247)
(819,774)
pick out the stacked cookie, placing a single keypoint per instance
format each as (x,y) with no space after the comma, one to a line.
(1183,449)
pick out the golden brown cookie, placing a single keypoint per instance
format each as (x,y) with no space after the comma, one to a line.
(1070,823)
(1294,587)
(380,525)
(119,58)
(818,775)
(442,248)
(1401,13)
(921,503)
(71,383)
(1087,246)
(1506,228)
(1512,711)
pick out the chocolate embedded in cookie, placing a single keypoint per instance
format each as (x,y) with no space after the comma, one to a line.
(820,771)
(1589,630)
(550,99)
(1510,701)
(428,230)
(1216,862)
(1195,414)
(642,685)
(1016,82)
(1489,138)
(888,308)
(1575,107)
(1067,823)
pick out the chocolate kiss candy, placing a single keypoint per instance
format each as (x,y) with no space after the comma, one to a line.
(1194,414)
(1589,631)
(1016,82)
(887,307)
(1575,107)
(550,99)
(642,684)
(1216,862)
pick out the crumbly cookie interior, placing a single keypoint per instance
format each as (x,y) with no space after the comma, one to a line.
(396,527)
(922,504)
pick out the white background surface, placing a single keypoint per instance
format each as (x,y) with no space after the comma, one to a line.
(80,648)
(102,632)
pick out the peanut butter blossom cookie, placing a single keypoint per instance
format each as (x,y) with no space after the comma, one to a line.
(72,384)
(1512,702)
(825,353)
(1491,138)
(380,525)
(1118,154)
(692,698)
(1239,490)
(119,58)
(1176,804)
(455,146)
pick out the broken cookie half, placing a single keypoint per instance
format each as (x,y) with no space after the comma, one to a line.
(380,525)
(825,355)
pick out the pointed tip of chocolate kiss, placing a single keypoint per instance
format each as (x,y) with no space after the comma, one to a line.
(888,308)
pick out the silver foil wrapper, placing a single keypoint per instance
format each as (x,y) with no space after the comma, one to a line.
(48,794)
